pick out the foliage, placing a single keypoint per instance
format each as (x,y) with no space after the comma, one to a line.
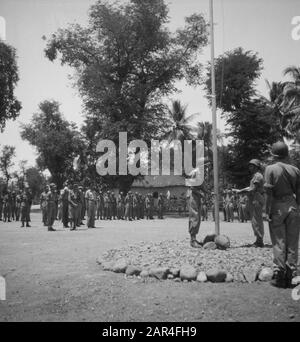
(6,157)
(9,106)
(236,72)
(126,61)
(56,140)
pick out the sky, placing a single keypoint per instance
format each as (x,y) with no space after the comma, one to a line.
(263,26)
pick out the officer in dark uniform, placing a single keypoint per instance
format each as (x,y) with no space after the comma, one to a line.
(282,184)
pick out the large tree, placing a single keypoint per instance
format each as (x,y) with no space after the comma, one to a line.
(126,60)
(9,106)
(6,161)
(236,73)
(56,140)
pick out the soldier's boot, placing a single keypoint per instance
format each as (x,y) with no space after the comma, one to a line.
(194,243)
(289,276)
(50,229)
(22,224)
(279,279)
(28,225)
(259,243)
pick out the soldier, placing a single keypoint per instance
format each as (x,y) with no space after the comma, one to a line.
(65,205)
(204,210)
(128,206)
(7,207)
(243,199)
(196,195)
(230,206)
(25,203)
(120,206)
(135,206)
(74,199)
(256,201)
(113,202)
(43,205)
(142,206)
(160,205)
(282,184)
(100,206)
(224,204)
(91,200)
(18,205)
(13,205)
(51,199)
(30,198)
(80,206)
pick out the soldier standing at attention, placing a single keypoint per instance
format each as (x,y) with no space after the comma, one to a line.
(18,205)
(65,205)
(43,205)
(282,184)
(91,200)
(24,209)
(256,201)
(160,205)
(51,207)
(73,204)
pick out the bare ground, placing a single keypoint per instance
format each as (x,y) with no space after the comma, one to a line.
(53,276)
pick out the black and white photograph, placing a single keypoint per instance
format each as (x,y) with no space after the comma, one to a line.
(149,163)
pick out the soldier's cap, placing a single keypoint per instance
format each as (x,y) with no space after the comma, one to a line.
(280,150)
(255,162)
(52,185)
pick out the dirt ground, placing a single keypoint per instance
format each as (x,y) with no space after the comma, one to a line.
(53,276)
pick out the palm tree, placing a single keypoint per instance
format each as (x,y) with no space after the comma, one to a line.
(180,123)
(290,104)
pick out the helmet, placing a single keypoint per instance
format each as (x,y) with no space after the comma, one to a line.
(280,150)
(255,162)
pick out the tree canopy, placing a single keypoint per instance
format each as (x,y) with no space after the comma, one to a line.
(126,60)
(56,140)
(9,106)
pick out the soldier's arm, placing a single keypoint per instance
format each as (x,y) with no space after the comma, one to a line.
(268,186)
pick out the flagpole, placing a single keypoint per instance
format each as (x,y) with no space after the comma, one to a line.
(214,121)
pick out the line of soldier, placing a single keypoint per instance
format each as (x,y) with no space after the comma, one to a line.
(73,202)
(16,206)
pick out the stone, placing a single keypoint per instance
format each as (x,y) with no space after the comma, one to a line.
(296,281)
(188,272)
(132,270)
(108,265)
(175,272)
(222,242)
(159,272)
(177,280)
(229,278)
(209,238)
(266,274)
(250,274)
(210,245)
(216,276)
(99,260)
(201,277)
(170,276)
(120,266)
(144,274)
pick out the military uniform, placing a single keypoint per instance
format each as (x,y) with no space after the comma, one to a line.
(65,206)
(160,205)
(51,198)
(74,199)
(25,205)
(282,183)
(256,205)
(91,200)
(43,204)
